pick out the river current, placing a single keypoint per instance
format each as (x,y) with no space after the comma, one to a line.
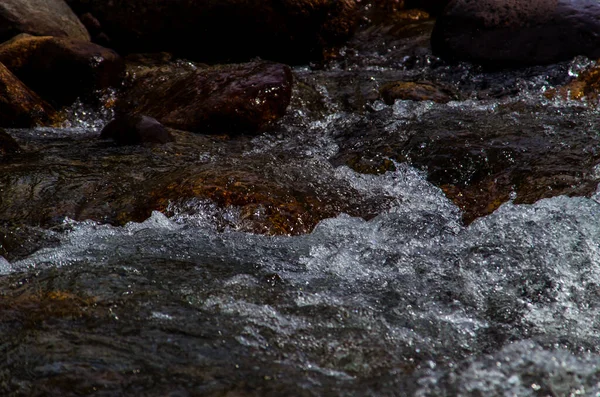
(410,301)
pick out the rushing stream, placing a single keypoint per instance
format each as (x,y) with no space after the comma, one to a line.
(399,294)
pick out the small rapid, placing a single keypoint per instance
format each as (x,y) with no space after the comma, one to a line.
(411,294)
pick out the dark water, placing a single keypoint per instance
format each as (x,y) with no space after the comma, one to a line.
(392,294)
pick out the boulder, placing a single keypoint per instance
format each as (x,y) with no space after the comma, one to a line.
(237,98)
(59,69)
(39,18)
(514,33)
(234,30)
(136,130)
(19,106)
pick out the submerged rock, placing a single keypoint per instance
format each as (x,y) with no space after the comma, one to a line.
(221,99)
(136,130)
(61,70)
(501,33)
(19,106)
(415,91)
(287,30)
(39,18)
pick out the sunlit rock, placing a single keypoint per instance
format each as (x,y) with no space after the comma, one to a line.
(585,86)
(61,69)
(501,33)
(136,130)
(416,91)
(39,18)
(239,98)
(19,106)
(288,30)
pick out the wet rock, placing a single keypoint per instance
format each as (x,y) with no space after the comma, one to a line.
(61,70)
(240,98)
(415,91)
(39,18)
(19,106)
(87,179)
(136,130)
(500,33)
(287,30)
(7,143)
(481,157)
(434,7)
(586,86)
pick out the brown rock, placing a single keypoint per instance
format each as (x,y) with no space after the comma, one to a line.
(238,98)
(585,86)
(415,91)
(19,106)
(61,69)
(136,130)
(285,30)
(39,18)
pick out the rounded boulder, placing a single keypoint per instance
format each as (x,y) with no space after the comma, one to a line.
(516,33)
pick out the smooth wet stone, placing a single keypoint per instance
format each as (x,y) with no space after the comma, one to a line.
(225,99)
(7,143)
(19,105)
(61,70)
(287,30)
(39,18)
(514,33)
(415,91)
(136,130)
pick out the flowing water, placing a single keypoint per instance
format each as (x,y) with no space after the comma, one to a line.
(406,299)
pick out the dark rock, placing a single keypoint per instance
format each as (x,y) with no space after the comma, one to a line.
(434,7)
(513,33)
(239,98)
(415,91)
(61,70)
(284,30)
(19,106)
(136,130)
(39,18)
(7,143)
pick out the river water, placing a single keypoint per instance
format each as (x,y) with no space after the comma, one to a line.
(407,299)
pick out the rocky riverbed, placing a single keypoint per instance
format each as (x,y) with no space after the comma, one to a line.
(342,212)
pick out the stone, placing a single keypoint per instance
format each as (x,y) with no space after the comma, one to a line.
(434,7)
(415,91)
(136,130)
(19,106)
(516,33)
(229,99)
(61,70)
(586,86)
(39,18)
(8,145)
(234,30)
